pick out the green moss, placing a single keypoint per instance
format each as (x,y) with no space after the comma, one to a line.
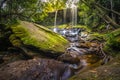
(102,27)
(13,39)
(115,32)
(69,26)
(39,36)
(113,42)
(84,27)
(112,45)
(97,36)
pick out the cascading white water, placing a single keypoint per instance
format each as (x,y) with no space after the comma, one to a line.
(74,15)
(64,14)
(75,10)
(55,22)
(72,4)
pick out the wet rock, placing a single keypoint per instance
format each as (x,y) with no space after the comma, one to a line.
(67,58)
(35,69)
(94,45)
(76,63)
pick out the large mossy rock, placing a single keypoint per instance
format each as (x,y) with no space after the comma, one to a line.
(38,37)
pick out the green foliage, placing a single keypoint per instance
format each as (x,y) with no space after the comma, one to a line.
(15,42)
(101,27)
(28,10)
(96,37)
(54,5)
(87,15)
(12,10)
(113,41)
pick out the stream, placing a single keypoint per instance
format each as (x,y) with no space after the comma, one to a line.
(79,56)
(81,53)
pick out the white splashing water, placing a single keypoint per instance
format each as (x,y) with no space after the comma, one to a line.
(72,4)
(64,14)
(55,22)
(44,0)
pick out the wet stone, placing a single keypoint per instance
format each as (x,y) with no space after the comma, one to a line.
(36,69)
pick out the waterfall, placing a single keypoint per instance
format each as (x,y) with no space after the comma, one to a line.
(55,22)
(72,4)
(72,18)
(74,15)
(64,14)
(75,9)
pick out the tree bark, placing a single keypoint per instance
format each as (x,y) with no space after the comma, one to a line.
(111,4)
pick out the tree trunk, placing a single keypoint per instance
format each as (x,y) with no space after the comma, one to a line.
(111,3)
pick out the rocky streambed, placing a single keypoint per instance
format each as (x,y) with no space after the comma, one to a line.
(79,56)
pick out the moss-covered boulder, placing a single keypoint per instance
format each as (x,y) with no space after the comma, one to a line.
(31,35)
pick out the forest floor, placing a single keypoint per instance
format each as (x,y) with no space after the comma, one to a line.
(109,71)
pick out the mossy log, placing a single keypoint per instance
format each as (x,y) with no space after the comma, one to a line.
(34,37)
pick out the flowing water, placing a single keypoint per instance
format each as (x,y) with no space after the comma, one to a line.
(76,56)
(64,14)
(55,22)
(73,61)
(74,15)
(72,5)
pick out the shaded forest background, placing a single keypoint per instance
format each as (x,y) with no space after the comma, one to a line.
(93,12)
